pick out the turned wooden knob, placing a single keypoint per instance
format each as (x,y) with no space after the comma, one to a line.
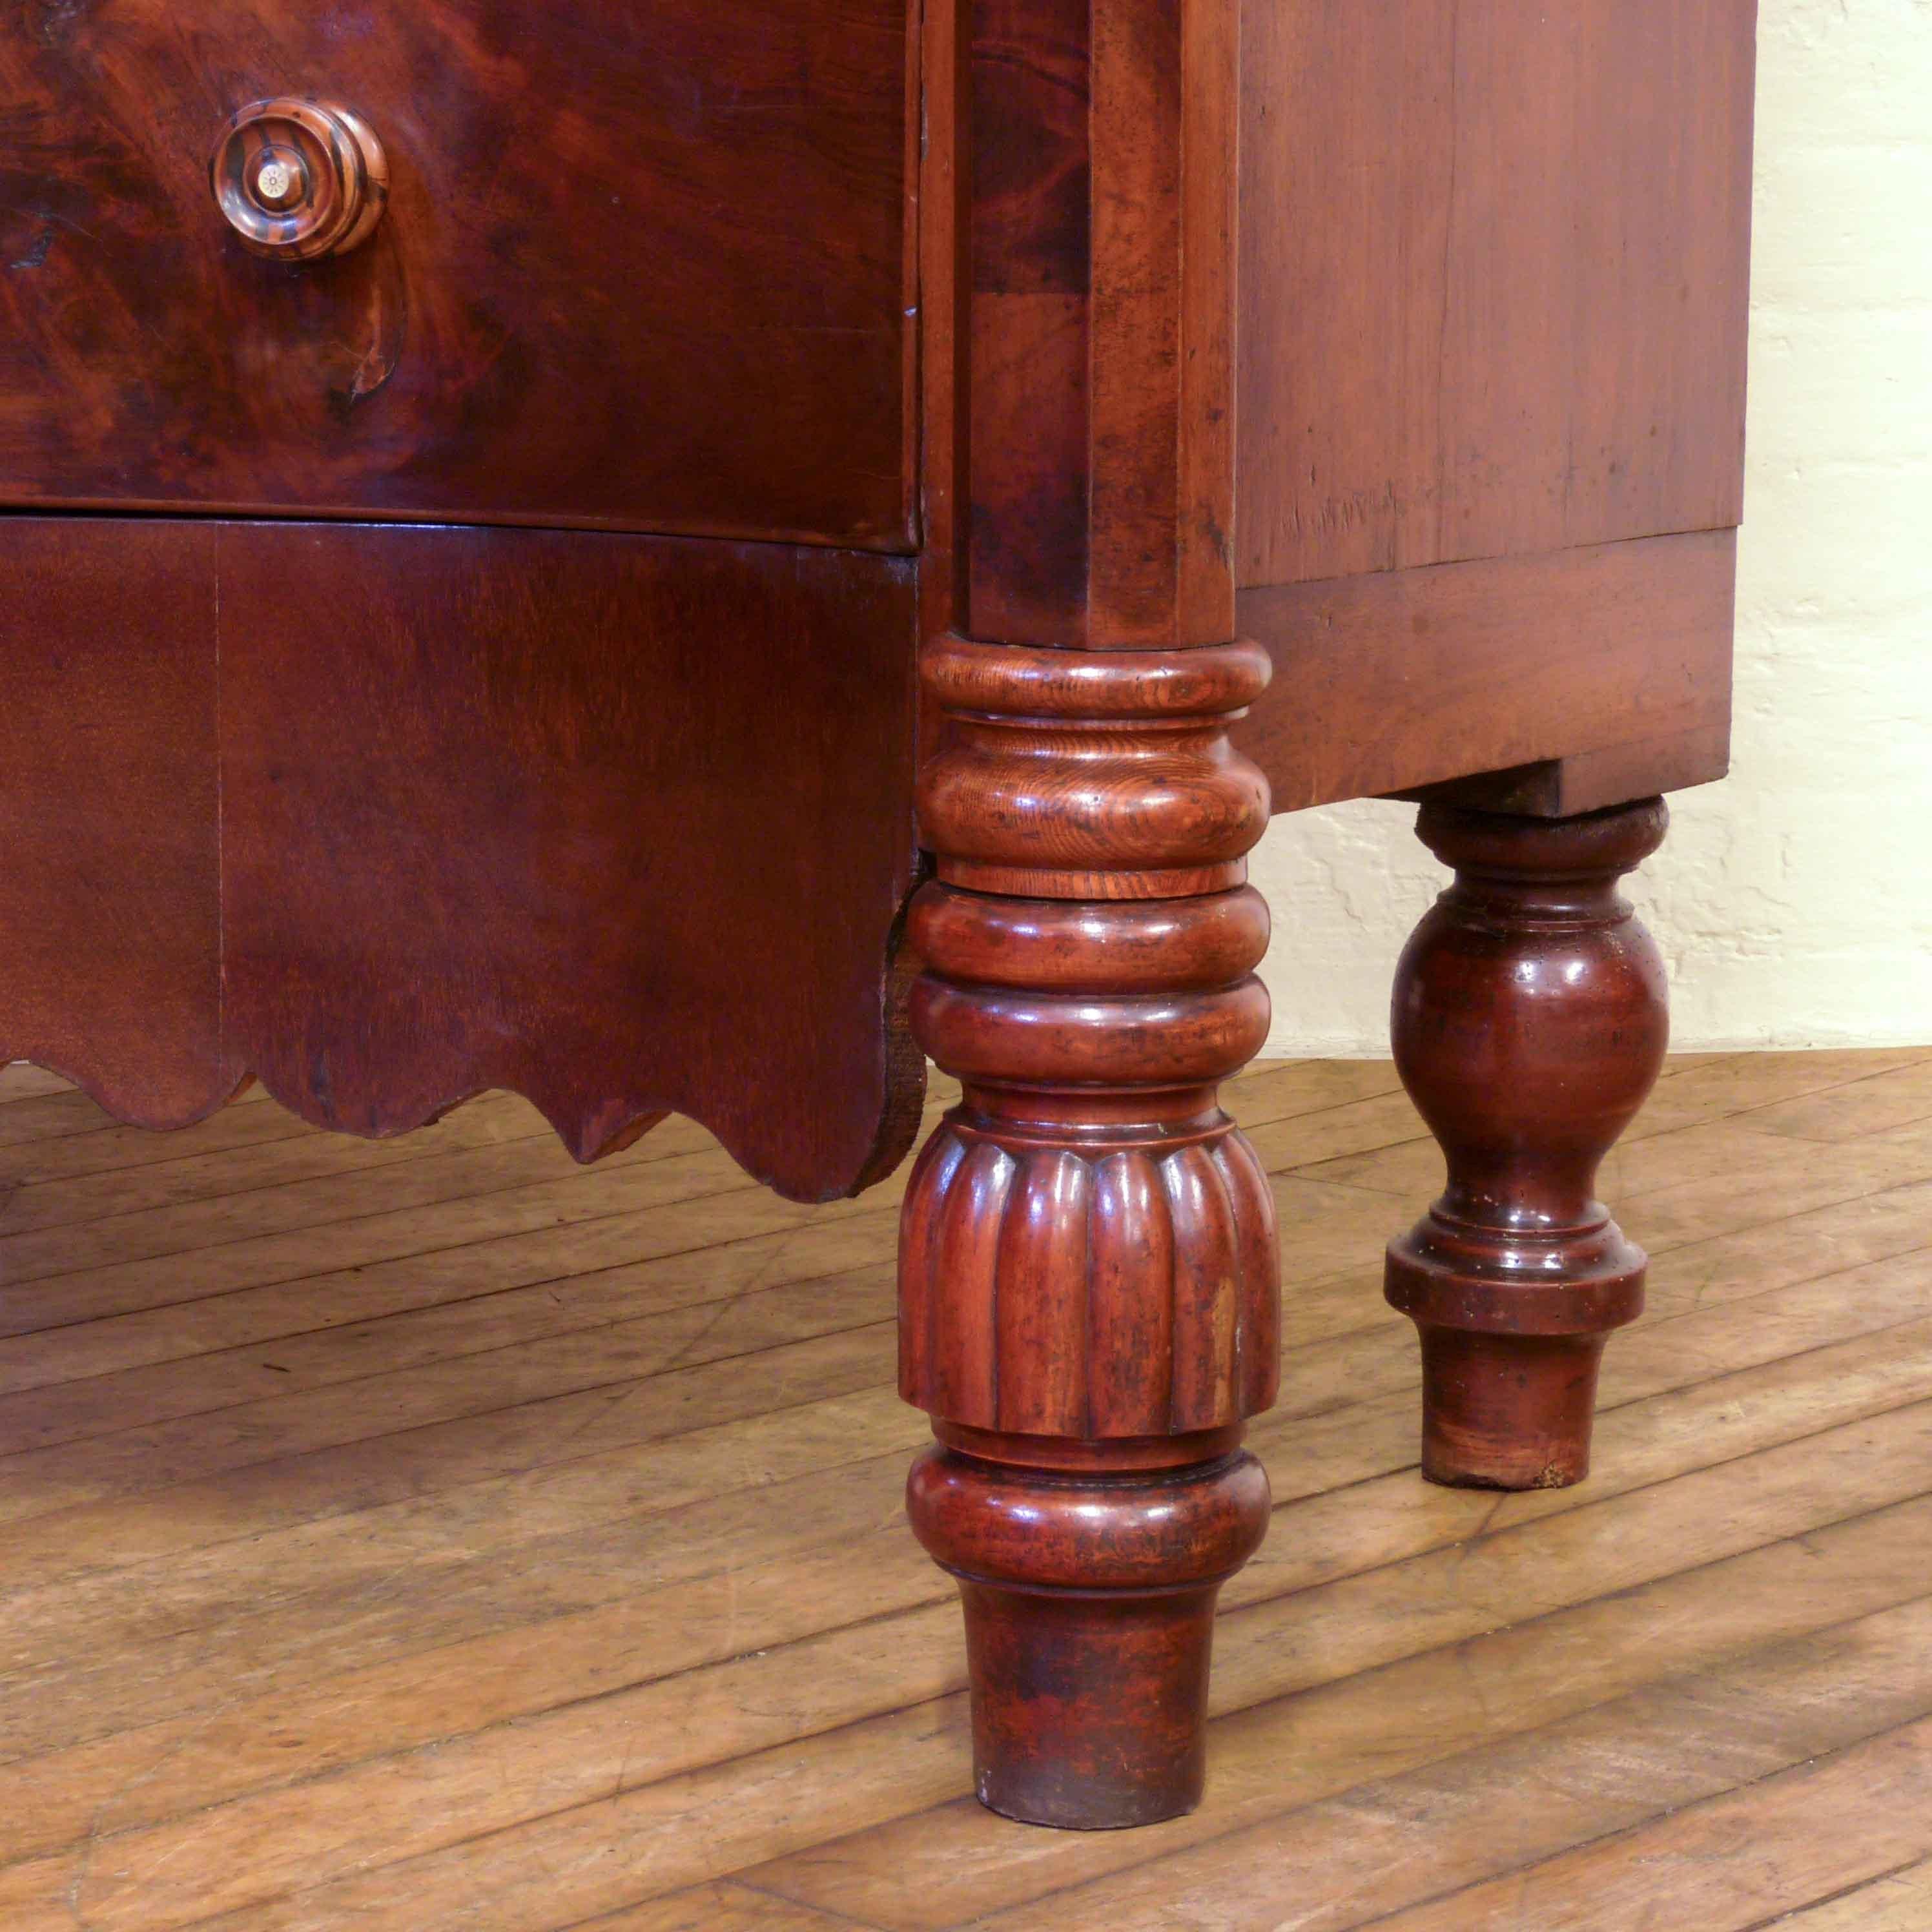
(300,179)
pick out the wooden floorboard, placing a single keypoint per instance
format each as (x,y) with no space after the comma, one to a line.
(434,1534)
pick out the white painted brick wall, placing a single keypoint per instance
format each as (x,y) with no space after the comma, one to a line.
(1794,900)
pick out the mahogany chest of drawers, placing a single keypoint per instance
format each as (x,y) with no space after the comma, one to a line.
(689,554)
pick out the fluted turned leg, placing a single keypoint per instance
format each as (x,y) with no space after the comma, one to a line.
(1088,1275)
(1529,1025)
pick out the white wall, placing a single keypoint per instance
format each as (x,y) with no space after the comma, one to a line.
(1794,901)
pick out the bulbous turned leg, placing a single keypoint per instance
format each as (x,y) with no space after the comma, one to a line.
(1529,1024)
(1088,1278)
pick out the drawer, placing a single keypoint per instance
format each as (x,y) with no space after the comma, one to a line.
(643,265)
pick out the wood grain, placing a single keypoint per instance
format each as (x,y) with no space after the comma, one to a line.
(1088,1285)
(567,1666)
(1612,662)
(380,827)
(1899,1901)
(1322,1695)
(1493,271)
(1529,1022)
(1490,401)
(1098,335)
(298,180)
(1731,1861)
(642,267)
(108,734)
(1417,1834)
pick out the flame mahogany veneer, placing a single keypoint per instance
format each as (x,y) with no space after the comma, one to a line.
(972,455)
(642,267)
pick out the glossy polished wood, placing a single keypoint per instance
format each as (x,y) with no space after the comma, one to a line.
(1087,1272)
(1088,1281)
(1097,231)
(1096,1592)
(1530,1023)
(389,815)
(1083,385)
(344,808)
(298,180)
(1493,265)
(644,266)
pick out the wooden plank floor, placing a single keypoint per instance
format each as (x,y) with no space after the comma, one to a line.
(436,1535)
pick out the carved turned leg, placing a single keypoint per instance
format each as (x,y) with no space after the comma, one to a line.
(1088,1276)
(1529,1024)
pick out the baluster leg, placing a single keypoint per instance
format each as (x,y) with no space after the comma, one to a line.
(1529,1024)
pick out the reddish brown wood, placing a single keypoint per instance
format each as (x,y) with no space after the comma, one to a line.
(1098,227)
(1088,1269)
(1589,780)
(1089,1609)
(1530,1022)
(429,839)
(643,266)
(1616,659)
(1493,266)
(943,179)
(297,180)
(391,814)
(110,862)
(1088,1280)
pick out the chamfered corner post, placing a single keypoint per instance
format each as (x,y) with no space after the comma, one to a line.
(1529,1023)
(1089,1284)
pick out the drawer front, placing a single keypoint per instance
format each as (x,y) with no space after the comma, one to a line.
(643,265)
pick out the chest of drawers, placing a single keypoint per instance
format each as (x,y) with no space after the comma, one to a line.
(528,531)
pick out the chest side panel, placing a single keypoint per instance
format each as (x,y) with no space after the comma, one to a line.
(643,265)
(1494,263)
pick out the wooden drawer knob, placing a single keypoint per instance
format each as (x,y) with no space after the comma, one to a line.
(298,179)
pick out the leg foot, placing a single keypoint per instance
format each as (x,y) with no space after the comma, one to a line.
(1507,1411)
(1529,1025)
(1090,1615)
